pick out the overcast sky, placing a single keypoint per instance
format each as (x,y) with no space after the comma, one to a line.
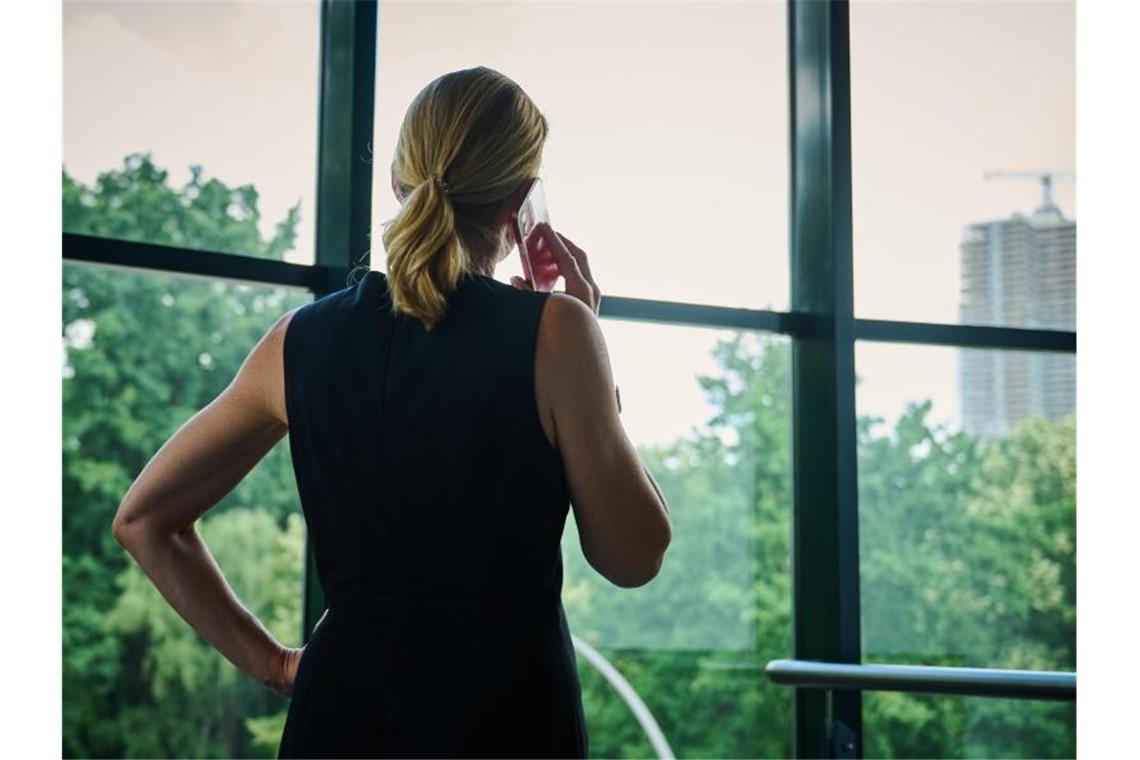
(668,156)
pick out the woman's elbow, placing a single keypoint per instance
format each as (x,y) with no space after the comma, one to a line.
(124,528)
(634,576)
(129,527)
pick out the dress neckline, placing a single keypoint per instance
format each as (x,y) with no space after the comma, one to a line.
(469,274)
(466,281)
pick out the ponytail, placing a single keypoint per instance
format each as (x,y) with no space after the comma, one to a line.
(425,258)
(468,141)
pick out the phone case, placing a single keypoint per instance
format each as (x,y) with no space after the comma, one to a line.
(539,266)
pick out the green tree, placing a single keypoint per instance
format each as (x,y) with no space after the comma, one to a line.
(968,559)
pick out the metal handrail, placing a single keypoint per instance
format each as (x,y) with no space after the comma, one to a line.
(976,682)
(629,694)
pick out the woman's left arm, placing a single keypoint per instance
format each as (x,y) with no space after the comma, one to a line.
(200,464)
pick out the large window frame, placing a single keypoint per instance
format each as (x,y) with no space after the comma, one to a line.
(820,323)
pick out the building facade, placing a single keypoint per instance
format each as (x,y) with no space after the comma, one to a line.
(1017,272)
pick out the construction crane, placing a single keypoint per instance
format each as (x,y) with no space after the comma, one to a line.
(1046,178)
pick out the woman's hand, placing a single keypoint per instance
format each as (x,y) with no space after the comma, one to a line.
(572,264)
(284,671)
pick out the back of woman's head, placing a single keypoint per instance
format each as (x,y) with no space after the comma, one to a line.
(468,141)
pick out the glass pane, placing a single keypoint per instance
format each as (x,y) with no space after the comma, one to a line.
(942,94)
(142,353)
(919,725)
(176,112)
(967,521)
(693,642)
(670,167)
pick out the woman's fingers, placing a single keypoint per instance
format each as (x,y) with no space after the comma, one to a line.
(578,283)
(574,266)
(566,261)
(285,670)
(583,263)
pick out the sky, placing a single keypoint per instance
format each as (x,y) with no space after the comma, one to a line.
(668,154)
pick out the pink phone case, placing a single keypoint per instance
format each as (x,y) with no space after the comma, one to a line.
(539,266)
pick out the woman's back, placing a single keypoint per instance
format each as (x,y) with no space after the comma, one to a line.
(435,505)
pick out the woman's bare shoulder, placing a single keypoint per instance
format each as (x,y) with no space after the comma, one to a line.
(270,364)
(570,354)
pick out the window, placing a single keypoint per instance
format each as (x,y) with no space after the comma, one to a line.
(693,642)
(966,467)
(941,95)
(141,354)
(967,502)
(669,168)
(182,110)
(964,212)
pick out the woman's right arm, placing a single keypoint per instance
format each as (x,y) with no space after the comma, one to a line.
(622,517)
(623,521)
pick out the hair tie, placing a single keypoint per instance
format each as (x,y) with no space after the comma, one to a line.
(439,180)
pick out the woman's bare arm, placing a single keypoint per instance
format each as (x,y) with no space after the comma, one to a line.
(200,464)
(621,514)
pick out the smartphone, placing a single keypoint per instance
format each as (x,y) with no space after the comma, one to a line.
(539,266)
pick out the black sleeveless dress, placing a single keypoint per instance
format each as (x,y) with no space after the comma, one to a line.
(435,506)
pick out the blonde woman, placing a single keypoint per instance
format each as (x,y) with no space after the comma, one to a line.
(441,423)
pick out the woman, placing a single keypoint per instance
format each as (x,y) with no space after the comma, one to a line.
(440,423)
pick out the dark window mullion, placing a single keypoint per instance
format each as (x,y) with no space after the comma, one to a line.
(965,336)
(321,279)
(152,257)
(825,544)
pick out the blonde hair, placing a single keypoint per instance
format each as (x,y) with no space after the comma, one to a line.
(468,141)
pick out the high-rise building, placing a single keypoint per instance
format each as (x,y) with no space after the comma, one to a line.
(1018,272)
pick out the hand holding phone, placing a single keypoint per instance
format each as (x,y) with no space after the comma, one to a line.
(572,263)
(539,266)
